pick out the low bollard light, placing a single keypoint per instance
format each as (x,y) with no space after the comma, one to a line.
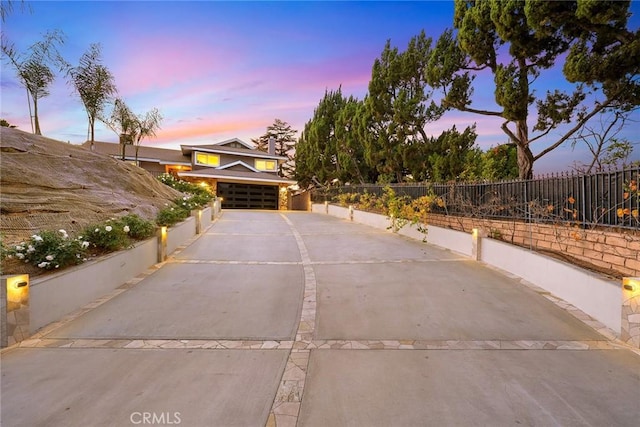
(14,309)
(630,330)
(476,244)
(162,244)
(197,213)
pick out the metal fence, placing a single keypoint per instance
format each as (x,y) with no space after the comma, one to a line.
(602,199)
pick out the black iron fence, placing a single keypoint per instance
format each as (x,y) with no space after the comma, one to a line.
(601,199)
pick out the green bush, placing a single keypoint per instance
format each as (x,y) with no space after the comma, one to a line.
(197,195)
(107,237)
(137,228)
(171,215)
(50,250)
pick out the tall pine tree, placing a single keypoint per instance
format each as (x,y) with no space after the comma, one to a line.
(284,137)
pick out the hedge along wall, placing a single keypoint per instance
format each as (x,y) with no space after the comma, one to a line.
(618,252)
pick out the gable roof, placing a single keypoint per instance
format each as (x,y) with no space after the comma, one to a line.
(234,176)
(236,163)
(239,141)
(217,149)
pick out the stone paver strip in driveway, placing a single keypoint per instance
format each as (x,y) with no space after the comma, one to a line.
(302,319)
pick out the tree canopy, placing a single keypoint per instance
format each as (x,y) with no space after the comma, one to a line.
(33,68)
(94,83)
(285,141)
(517,41)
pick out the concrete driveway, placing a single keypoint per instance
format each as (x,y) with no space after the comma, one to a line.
(302,319)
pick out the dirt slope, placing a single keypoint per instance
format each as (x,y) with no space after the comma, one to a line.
(48,185)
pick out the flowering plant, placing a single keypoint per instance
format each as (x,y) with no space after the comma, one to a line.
(50,250)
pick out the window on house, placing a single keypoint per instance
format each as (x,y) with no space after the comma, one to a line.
(205,159)
(266,165)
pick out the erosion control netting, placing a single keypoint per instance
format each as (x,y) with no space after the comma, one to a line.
(50,185)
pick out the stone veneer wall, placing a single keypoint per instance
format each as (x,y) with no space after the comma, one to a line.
(607,249)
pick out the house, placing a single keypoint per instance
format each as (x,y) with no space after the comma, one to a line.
(242,176)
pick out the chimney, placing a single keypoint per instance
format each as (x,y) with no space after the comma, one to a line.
(272,146)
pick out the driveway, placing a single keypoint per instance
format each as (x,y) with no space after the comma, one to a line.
(295,318)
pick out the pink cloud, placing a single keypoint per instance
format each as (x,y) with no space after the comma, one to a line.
(152,62)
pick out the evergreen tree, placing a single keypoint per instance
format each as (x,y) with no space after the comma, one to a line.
(398,107)
(329,148)
(284,137)
(516,41)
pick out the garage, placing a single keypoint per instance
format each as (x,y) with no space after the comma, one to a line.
(248,196)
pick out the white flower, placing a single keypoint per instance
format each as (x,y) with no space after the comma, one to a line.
(43,264)
(9,256)
(19,255)
(30,249)
(126,229)
(79,237)
(64,233)
(19,248)
(57,265)
(108,228)
(85,245)
(49,257)
(36,238)
(97,230)
(184,198)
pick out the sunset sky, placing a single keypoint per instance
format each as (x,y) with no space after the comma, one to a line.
(218,70)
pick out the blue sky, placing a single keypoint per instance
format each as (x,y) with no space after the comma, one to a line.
(218,70)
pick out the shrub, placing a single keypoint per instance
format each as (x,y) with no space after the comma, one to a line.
(50,250)
(171,215)
(107,237)
(137,228)
(199,196)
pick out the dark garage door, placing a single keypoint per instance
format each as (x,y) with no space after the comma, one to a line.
(247,196)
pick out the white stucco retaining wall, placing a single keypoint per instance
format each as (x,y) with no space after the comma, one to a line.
(378,221)
(595,295)
(454,240)
(180,233)
(55,295)
(207,218)
(339,211)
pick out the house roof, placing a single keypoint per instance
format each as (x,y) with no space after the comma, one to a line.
(146,154)
(239,141)
(215,148)
(224,175)
(183,157)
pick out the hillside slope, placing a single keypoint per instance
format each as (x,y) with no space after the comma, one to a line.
(48,185)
